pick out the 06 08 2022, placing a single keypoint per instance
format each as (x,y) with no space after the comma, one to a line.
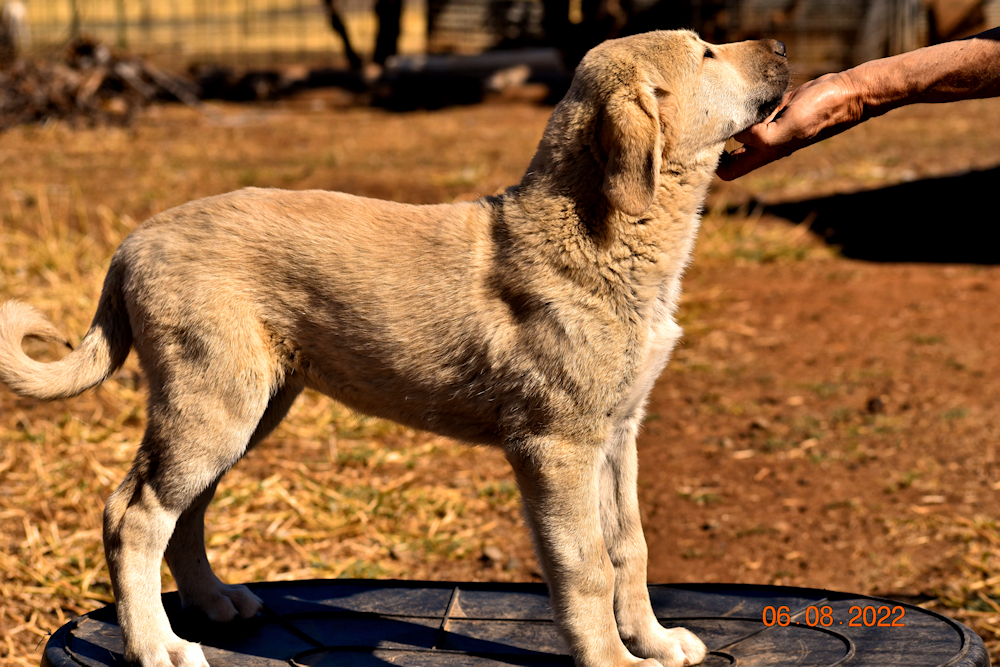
(882,616)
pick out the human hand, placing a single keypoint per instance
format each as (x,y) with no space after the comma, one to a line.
(812,112)
(963,69)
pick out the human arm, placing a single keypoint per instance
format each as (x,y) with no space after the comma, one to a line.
(963,69)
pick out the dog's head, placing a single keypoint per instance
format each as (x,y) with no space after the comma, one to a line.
(645,102)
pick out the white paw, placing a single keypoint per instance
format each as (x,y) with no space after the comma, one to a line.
(186,654)
(673,647)
(175,653)
(224,602)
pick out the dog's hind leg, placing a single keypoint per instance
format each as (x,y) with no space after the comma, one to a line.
(208,396)
(196,583)
(138,523)
(622,529)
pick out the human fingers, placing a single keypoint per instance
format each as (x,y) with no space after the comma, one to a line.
(756,150)
(744,160)
(754,135)
(760,147)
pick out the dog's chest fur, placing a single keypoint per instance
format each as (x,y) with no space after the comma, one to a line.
(619,281)
(662,330)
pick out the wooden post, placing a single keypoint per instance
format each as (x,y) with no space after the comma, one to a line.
(121,25)
(146,21)
(74,18)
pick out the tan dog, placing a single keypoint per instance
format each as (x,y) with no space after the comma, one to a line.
(535,321)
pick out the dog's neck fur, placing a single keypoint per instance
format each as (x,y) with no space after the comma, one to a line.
(553,229)
(637,256)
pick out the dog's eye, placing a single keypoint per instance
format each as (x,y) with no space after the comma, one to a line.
(709,53)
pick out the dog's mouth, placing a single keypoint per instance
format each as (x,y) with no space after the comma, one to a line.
(771,97)
(733,145)
(775,85)
(764,110)
(767,107)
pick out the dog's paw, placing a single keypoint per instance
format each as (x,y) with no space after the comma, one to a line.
(224,603)
(672,647)
(175,653)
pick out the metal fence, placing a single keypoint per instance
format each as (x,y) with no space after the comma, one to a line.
(828,35)
(243,32)
(823,35)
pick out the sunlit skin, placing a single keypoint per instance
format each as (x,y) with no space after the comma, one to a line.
(959,70)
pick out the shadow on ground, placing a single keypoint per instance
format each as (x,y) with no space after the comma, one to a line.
(953,219)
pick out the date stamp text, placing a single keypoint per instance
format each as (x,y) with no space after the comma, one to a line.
(858,617)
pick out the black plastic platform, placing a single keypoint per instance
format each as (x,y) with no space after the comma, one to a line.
(351,623)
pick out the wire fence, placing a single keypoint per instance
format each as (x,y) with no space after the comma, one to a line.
(822,35)
(242,32)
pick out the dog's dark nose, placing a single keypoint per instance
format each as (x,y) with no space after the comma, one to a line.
(779,48)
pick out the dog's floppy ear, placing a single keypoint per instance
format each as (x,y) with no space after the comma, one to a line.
(630,135)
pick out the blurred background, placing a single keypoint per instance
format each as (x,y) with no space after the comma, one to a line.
(823,35)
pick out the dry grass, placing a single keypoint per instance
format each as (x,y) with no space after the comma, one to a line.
(332,494)
(755,239)
(971,593)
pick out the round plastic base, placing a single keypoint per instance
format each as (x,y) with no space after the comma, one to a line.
(351,623)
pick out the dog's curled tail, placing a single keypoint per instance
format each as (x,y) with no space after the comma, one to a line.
(101,352)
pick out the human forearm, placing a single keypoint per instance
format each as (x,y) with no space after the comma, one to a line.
(963,69)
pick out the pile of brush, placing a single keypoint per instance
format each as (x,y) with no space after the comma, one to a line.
(89,83)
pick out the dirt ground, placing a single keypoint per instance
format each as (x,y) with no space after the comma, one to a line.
(826,422)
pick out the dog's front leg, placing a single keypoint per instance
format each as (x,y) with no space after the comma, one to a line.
(559,485)
(622,529)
